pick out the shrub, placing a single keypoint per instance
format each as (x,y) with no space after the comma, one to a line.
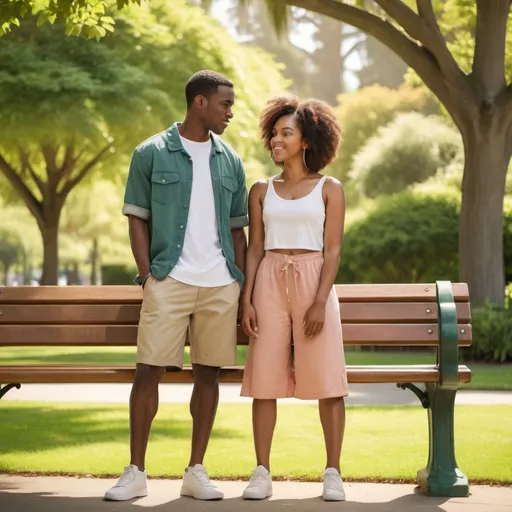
(407,238)
(492,335)
(362,112)
(117,274)
(410,149)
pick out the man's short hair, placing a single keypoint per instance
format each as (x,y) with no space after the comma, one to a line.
(204,83)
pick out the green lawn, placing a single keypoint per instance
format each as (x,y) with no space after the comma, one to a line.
(485,376)
(384,443)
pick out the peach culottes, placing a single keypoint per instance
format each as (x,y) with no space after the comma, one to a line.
(282,362)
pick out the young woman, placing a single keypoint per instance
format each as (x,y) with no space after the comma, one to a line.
(290,308)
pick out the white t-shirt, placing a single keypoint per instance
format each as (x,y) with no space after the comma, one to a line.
(201,262)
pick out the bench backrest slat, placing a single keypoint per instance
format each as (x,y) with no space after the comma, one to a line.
(413,334)
(128,314)
(133,294)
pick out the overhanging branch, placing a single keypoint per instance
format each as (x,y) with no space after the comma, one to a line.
(424,28)
(24,192)
(418,58)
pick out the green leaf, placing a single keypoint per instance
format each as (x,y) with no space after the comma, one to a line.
(99,32)
(42,18)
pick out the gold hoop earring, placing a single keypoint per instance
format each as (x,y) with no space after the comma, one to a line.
(304,159)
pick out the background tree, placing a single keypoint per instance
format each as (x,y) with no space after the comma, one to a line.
(381,66)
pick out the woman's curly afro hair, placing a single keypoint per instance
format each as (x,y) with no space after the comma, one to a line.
(316,120)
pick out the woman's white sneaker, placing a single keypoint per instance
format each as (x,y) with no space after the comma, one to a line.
(260,485)
(196,484)
(132,484)
(333,486)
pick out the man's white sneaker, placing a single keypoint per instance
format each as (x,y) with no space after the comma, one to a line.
(333,486)
(260,485)
(197,485)
(132,484)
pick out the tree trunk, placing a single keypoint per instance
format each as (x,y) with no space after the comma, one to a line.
(72,274)
(94,261)
(481,262)
(25,265)
(50,235)
(329,61)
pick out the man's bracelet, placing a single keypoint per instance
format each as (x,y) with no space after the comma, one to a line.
(142,282)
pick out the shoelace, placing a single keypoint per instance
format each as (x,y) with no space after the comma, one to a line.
(127,477)
(256,480)
(333,482)
(202,476)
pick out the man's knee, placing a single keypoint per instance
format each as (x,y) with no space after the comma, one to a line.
(147,377)
(206,375)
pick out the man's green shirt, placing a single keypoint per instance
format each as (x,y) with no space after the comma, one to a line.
(159,187)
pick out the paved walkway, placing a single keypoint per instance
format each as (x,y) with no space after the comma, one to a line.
(59,494)
(360,394)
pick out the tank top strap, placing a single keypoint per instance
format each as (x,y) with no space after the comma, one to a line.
(271,191)
(319,187)
(321,182)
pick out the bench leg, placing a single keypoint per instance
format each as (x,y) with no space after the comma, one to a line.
(8,387)
(442,477)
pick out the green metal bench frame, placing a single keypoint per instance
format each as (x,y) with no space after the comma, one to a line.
(442,476)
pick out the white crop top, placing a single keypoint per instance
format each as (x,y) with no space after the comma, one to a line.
(294,223)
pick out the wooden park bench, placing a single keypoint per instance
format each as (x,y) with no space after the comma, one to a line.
(403,315)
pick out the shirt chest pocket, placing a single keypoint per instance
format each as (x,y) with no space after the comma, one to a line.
(229,186)
(164,186)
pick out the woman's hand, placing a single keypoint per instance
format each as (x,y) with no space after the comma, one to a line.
(249,322)
(314,319)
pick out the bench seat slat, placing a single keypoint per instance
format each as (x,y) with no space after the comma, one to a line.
(119,294)
(421,334)
(120,374)
(128,314)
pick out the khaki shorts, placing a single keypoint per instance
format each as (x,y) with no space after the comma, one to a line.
(173,312)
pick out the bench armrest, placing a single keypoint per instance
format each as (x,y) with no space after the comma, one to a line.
(448,351)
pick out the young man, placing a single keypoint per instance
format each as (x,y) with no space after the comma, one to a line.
(186,200)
